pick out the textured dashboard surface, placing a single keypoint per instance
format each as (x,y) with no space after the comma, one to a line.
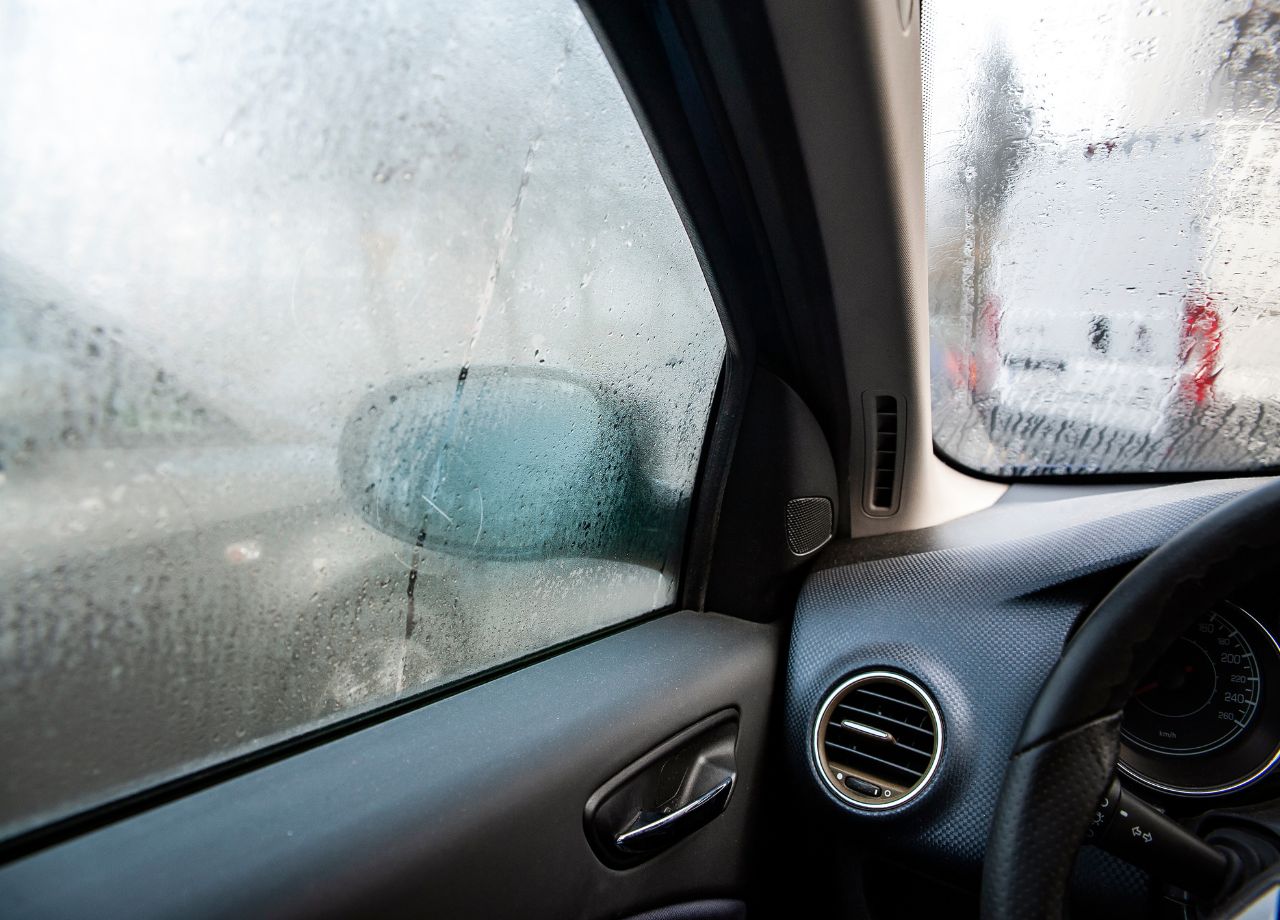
(977,611)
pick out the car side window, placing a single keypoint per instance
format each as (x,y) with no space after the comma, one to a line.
(349,350)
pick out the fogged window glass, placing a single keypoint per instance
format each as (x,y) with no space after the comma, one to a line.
(348,348)
(1103,188)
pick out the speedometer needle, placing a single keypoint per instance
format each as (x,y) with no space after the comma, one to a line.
(1146,688)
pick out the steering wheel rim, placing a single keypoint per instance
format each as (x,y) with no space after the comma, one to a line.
(1066,753)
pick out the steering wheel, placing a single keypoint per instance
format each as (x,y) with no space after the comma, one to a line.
(1063,763)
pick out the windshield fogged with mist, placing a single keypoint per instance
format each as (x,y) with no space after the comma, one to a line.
(1102,188)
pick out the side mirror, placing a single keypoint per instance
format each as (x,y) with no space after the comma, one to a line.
(505,463)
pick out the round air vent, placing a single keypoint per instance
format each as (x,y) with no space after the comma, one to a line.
(877,739)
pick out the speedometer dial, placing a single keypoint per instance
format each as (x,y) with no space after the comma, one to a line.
(1201,695)
(1203,722)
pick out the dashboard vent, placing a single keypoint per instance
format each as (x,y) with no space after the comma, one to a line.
(884,440)
(878,739)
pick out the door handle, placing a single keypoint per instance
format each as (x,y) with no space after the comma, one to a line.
(652,831)
(668,794)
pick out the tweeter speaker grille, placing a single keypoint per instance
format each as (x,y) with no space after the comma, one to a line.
(810,523)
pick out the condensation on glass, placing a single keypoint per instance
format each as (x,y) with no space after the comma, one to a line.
(348,349)
(1102,188)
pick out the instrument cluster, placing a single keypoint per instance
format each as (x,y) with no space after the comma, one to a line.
(1206,720)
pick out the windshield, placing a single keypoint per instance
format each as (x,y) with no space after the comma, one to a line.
(1101,184)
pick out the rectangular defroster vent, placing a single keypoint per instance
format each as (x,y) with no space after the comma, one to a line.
(886,429)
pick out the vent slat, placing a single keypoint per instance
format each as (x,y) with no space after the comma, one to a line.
(910,772)
(892,699)
(867,716)
(909,756)
(898,744)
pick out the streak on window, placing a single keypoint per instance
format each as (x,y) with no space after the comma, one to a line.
(348,349)
(1102,187)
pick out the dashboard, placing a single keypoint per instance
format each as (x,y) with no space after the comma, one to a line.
(974,614)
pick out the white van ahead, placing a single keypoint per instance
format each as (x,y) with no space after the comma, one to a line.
(1096,299)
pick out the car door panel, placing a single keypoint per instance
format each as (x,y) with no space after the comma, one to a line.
(471,806)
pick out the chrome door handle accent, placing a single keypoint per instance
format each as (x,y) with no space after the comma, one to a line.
(653,830)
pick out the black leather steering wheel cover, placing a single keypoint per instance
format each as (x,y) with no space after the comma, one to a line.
(1066,753)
